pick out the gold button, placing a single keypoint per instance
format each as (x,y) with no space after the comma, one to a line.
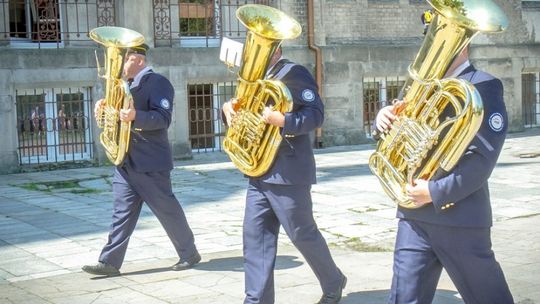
(443,207)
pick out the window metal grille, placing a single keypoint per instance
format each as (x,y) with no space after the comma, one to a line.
(206,128)
(54,125)
(52,23)
(530,88)
(378,92)
(530,5)
(383,1)
(199,23)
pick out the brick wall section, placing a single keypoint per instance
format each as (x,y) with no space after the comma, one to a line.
(350,22)
(372,21)
(297,9)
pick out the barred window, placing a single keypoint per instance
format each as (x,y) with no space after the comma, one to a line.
(383,1)
(54,125)
(379,92)
(530,5)
(196,23)
(52,23)
(530,89)
(206,129)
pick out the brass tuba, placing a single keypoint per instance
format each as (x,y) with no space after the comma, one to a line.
(250,142)
(115,134)
(420,143)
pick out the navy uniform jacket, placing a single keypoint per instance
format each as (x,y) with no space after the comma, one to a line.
(461,198)
(295,163)
(149,149)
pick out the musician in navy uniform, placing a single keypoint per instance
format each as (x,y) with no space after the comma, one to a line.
(282,195)
(451,229)
(144,176)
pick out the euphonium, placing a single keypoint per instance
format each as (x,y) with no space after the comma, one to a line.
(250,142)
(420,142)
(115,134)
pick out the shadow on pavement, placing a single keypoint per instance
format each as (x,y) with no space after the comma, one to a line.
(236,263)
(381,297)
(138,272)
(221,264)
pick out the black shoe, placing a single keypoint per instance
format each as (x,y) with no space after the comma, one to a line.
(101,269)
(187,263)
(334,297)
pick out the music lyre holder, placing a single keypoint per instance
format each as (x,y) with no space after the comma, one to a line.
(231,53)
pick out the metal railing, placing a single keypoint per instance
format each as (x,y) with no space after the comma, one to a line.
(206,128)
(199,22)
(54,125)
(52,23)
(378,92)
(531,99)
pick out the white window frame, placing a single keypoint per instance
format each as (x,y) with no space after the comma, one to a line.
(27,42)
(51,108)
(537,99)
(203,41)
(383,86)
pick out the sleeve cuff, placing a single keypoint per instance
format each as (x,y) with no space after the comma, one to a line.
(436,200)
(136,124)
(438,203)
(285,131)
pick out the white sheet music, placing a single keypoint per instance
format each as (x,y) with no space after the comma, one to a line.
(231,52)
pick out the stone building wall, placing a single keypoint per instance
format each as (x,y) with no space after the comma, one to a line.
(358,38)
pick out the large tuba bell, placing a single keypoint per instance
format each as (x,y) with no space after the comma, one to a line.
(250,142)
(115,134)
(421,142)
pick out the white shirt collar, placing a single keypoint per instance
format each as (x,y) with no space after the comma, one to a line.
(273,65)
(139,76)
(458,70)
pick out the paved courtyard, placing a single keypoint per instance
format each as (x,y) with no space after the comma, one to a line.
(52,223)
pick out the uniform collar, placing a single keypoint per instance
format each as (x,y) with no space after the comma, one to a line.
(459,70)
(271,69)
(468,69)
(139,76)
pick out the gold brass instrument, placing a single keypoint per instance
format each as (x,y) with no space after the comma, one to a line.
(250,142)
(115,134)
(420,142)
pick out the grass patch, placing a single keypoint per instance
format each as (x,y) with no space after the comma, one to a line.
(63,184)
(84,191)
(357,245)
(49,186)
(71,186)
(354,243)
(30,186)
(362,211)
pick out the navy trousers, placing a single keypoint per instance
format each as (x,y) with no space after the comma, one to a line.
(423,249)
(130,190)
(268,206)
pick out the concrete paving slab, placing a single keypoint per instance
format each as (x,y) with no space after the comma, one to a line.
(46,236)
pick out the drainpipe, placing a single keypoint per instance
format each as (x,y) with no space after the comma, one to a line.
(318,64)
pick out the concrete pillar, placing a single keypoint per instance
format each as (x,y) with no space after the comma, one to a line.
(4,23)
(179,129)
(515,103)
(138,16)
(8,121)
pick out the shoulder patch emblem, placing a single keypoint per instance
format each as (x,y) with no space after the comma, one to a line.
(165,103)
(496,122)
(308,95)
